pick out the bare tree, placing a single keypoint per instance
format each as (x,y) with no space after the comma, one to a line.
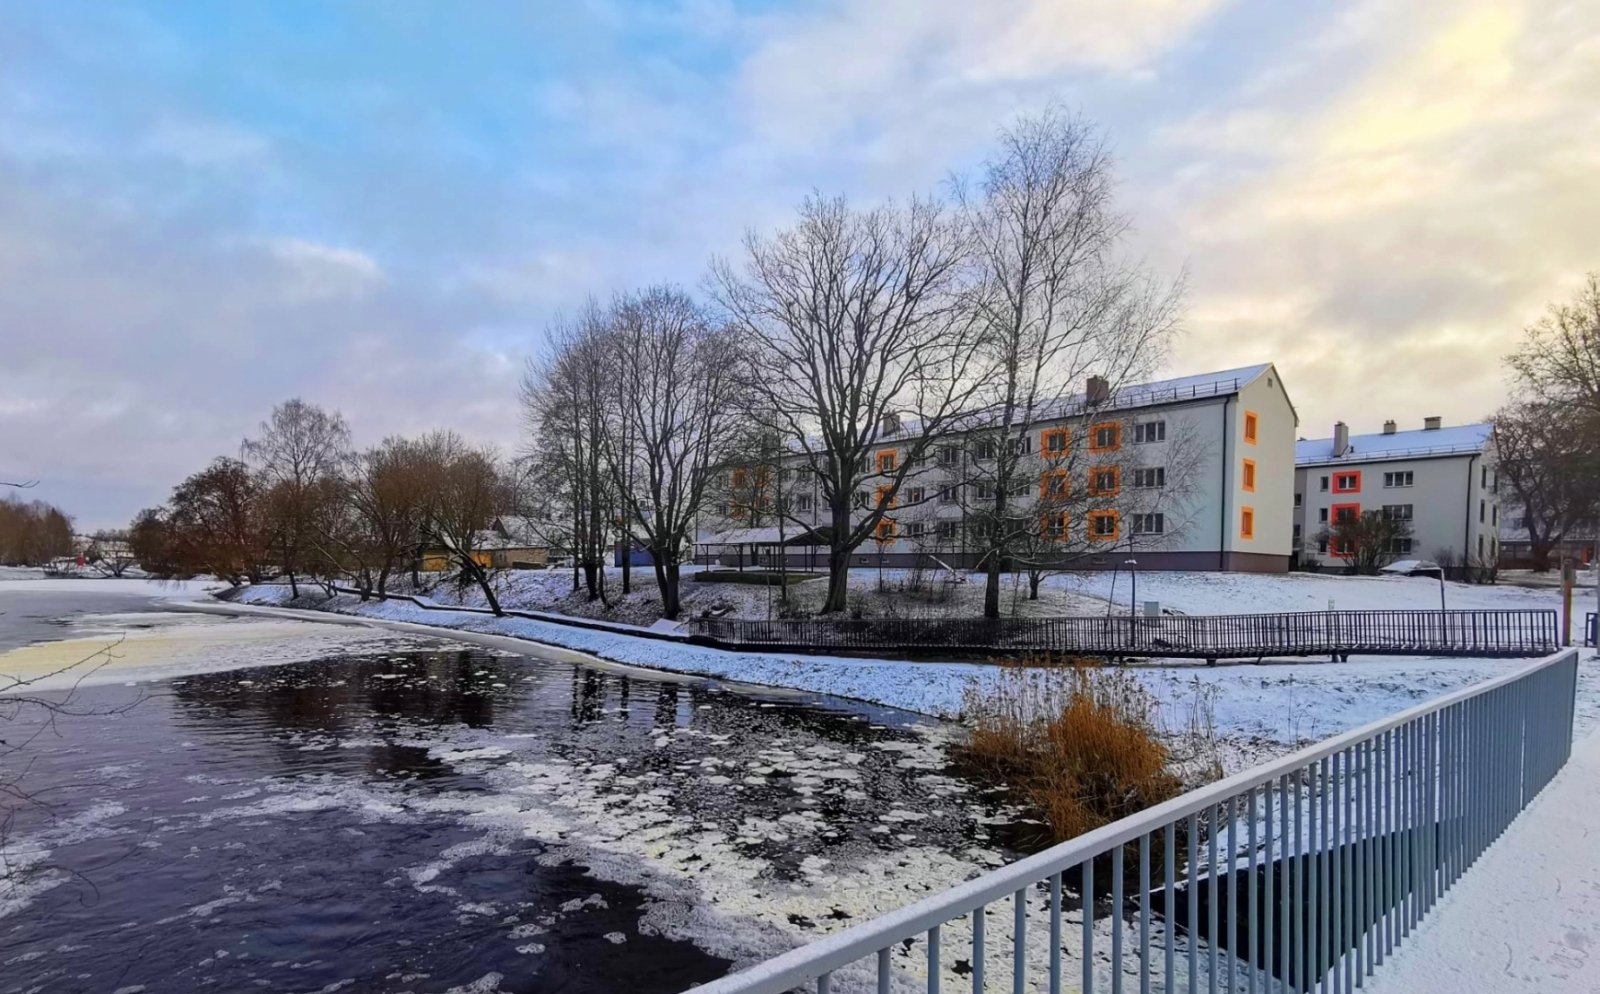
(32,533)
(464,493)
(674,420)
(856,344)
(300,448)
(110,553)
(214,523)
(1367,540)
(568,405)
(1559,358)
(386,489)
(1056,308)
(1553,469)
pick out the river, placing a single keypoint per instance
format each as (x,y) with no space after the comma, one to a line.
(282,806)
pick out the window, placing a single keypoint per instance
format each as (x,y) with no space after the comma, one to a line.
(1054,526)
(802,503)
(740,479)
(1297,535)
(1494,547)
(1397,512)
(1104,526)
(915,495)
(1324,487)
(1346,512)
(1482,507)
(948,495)
(1250,425)
(1494,515)
(1149,524)
(1053,485)
(862,499)
(1402,478)
(1055,441)
(1149,479)
(1105,481)
(1153,431)
(1247,522)
(861,466)
(722,509)
(1105,437)
(1400,546)
(1322,544)
(1249,480)
(1322,515)
(916,530)
(986,491)
(1021,446)
(1019,488)
(1483,477)
(1480,546)
(949,455)
(1298,499)
(983,449)
(946,531)
(886,461)
(1347,483)
(887,497)
(884,532)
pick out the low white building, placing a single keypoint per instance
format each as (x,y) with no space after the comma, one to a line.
(1443,480)
(1233,432)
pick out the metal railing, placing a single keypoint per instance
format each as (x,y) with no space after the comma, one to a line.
(1304,633)
(1302,874)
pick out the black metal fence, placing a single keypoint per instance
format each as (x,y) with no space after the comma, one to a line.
(1211,637)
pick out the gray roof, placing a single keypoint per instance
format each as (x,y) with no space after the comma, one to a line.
(1418,444)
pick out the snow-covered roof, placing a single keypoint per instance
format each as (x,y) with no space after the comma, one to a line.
(1418,444)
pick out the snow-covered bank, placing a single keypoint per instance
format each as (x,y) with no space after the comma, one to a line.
(1280,703)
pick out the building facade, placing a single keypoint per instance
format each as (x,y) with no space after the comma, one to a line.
(1443,480)
(1195,473)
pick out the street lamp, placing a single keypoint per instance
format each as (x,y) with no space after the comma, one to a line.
(1133,574)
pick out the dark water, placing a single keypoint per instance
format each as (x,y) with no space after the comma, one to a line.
(30,615)
(367,824)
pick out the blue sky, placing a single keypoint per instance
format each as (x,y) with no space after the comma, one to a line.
(207,208)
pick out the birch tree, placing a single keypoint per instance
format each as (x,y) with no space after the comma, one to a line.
(1055,304)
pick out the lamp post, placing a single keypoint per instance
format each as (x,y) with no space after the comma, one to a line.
(1133,575)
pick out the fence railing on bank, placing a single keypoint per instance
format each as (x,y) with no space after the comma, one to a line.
(1304,873)
(1303,633)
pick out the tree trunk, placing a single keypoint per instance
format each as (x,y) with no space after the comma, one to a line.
(991,586)
(480,575)
(667,580)
(838,581)
(1539,552)
(627,565)
(383,581)
(1033,585)
(294,588)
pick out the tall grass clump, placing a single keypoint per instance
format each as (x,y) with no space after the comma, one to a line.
(1082,744)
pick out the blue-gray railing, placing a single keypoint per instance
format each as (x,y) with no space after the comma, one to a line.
(1301,874)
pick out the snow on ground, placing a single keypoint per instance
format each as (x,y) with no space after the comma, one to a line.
(898,592)
(1261,708)
(1526,916)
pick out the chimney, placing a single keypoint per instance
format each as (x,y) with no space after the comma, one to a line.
(1389,427)
(890,424)
(1341,439)
(1432,424)
(1098,392)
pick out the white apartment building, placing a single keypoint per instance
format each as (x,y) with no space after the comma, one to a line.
(1233,432)
(1443,480)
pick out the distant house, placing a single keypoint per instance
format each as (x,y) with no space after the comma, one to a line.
(510,542)
(1442,480)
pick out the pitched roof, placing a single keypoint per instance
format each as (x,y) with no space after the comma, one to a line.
(1416,444)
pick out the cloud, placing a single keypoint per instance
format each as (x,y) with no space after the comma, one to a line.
(1388,246)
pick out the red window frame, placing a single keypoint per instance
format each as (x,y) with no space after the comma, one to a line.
(1341,474)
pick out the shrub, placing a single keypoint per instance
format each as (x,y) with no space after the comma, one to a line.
(1080,742)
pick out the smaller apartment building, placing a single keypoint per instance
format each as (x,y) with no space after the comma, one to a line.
(1442,480)
(1232,432)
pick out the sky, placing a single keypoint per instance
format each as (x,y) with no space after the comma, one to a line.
(206,209)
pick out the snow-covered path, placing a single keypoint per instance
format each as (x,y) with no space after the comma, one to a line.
(1527,916)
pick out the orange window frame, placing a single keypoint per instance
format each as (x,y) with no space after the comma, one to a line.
(1252,426)
(1055,527)
(1116,481)
(1116,437)
(1249,476)
(885,532)
(1247,522)
(887,496)
(1047,481)
(1065,434)
(1116,526)
(740,478)
(886,461)
(1339,475)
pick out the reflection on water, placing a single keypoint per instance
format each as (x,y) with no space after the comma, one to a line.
(313,826)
